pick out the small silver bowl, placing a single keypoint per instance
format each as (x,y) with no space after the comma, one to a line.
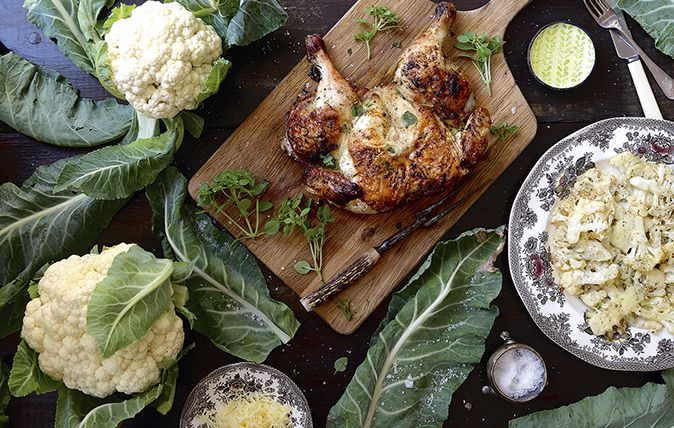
(511,346)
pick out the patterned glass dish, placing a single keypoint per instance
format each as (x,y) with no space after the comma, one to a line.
(561,55)
(558,314)
(215,389)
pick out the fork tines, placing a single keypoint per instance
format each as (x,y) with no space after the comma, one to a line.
(596,7)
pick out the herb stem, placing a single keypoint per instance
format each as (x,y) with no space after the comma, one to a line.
(239,189)
(384,19)
(235,223)
(257,216)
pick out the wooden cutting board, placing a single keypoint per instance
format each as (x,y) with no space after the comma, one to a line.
(255,146)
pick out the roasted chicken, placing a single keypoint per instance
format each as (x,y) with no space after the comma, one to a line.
(373,150)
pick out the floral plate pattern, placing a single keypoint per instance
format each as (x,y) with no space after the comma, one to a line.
(219,386)
(558,314)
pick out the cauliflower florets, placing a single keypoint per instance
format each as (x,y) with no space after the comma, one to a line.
(55,325)
(160,58)
(612,244)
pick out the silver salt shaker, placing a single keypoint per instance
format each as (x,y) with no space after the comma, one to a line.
(515,371)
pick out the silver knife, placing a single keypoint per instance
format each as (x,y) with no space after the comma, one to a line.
(625,51)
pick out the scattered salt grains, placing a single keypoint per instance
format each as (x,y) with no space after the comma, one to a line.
(519,374)
(409,382)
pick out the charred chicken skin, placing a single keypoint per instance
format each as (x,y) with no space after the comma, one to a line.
(372,150)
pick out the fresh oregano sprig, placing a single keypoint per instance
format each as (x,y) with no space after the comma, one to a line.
(239,189)
(383,18)
(297,214)
(484,46)
(503,130)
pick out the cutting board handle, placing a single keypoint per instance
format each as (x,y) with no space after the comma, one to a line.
(502,11)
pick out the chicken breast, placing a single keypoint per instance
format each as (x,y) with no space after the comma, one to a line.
(370,151)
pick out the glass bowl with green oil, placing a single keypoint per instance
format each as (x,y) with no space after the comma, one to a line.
(561,55)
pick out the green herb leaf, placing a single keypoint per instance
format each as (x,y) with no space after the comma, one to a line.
(241,190)
(345,307)
(383,19)
(272,227)
(396,44)
(125,304)
(265,206)
(43,106)
(58,20)
(328,161)
(503,130)
(241,22)
(228,294)
(302,267)
(118,171)
(409,119)
(651,405)
(26,376)
(293,216)
(484,47)
(357,110)
(657,25)
(433,335)
(39,225)
(340,364)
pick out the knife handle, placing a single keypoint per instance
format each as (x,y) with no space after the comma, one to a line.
(644,90)
(664,81)
(345,278)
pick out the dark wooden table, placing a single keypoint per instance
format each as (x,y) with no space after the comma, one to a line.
(309,357)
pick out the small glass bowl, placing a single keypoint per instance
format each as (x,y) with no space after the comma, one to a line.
(584,76)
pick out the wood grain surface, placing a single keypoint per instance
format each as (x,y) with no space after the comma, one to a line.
(255,146)
(308,359)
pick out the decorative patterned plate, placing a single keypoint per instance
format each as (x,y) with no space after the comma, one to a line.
(559,314)
(216,388)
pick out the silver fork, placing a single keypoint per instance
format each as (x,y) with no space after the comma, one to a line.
(607,18)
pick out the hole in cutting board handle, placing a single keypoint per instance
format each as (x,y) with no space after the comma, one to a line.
(467,5)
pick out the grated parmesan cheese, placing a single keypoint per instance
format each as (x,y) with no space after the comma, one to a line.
(255,410)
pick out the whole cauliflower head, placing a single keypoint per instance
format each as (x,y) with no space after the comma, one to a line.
(160,58)
(55,326)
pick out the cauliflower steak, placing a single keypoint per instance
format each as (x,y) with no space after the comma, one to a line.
(372,150)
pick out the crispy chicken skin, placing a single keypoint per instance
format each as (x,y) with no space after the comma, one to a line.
(425,76)
(416,136)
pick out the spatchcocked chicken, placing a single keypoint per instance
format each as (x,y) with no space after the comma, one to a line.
(372,150)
